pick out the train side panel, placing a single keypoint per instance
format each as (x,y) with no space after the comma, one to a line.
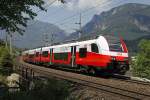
(62,55)
(99,53)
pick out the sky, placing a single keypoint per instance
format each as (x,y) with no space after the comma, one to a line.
(66,15)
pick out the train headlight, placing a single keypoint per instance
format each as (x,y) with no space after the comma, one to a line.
(113,58)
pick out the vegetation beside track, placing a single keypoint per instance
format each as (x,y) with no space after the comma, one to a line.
(6,61)
(141,64)
(47,89)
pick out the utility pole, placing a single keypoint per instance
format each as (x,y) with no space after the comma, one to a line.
(10,43)
(6,45)
(1,35)
(9,36)
(80,26)
(52,38)
(45,39)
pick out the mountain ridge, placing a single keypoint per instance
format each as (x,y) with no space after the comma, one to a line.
(38,32)
(123,19)
(130,21)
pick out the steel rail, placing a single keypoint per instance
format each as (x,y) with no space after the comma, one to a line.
(98,86)
(129,79)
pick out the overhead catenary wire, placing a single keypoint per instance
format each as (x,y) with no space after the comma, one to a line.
(47,6)
(76,14)
(61,22)
(56,12)
(83,15)
(73,16)
(67,21)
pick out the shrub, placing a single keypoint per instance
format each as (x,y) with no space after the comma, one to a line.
(6,61)
(44,90)
(141,66)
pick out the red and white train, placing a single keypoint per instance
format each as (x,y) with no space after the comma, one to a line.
(104,53)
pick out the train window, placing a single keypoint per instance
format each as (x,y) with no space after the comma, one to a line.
(37,54)
(94,48)
(114,44)
(115,47)
(61,56)
(82,52)
(45,53)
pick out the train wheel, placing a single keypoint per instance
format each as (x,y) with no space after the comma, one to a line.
(92,71)
(122,69)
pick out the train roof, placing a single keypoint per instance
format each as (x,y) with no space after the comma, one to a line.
(109,37)
(38,49)
(32,51)
(83,40)
(71,44)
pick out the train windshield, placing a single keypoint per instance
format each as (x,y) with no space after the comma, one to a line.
(115,47)
(114,44)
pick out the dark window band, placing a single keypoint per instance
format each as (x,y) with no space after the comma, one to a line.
(94,48)
(61,56)
(45,53)
(82,52)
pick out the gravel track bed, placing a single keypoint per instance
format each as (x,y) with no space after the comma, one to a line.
(135,87)
(86,93)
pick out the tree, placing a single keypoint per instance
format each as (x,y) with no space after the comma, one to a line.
(141,66)
(62,1)
(16,13)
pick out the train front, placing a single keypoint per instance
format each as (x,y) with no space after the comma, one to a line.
(117,51)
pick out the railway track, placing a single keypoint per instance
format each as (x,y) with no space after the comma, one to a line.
(129,79)
(130,89)
(114,76)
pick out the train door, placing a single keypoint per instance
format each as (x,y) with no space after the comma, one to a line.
(40,55)
(73,55)
(51,55)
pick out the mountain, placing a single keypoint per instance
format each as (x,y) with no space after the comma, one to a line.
(131,21)
(133,44)
(37,33)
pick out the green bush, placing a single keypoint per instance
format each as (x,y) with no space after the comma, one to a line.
(6,61)
(44,90)
(141,66)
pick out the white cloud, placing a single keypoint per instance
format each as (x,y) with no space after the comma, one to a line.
(82,4)
(57,3)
